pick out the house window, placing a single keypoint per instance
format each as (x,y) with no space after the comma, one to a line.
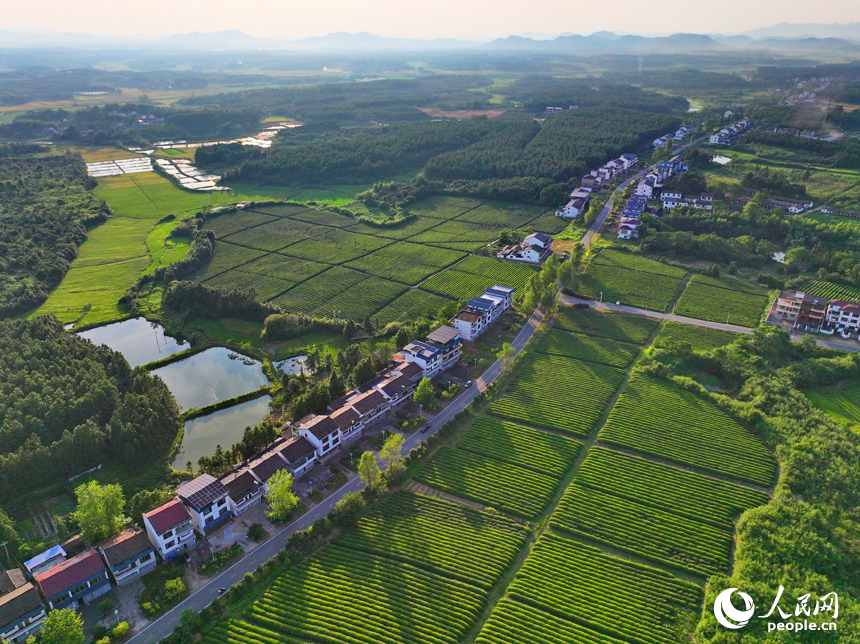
(78,589)
(145,558)
(207,511)
(169,544)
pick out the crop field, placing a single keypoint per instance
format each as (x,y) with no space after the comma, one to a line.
(232,222)
(443,207)
(364,298)
(501,215)
(457,285)
(295,211)
(413,304)
(228,256)
(266,286)
(547,223)
(407,229)
(278,234)
(842,403)
(687,494)
(579,583)
(439,536)
(511,273)
(163,249)
(628,286)
(457,235)
(515,623)
(542,383)
(336,247)
(282,267)
(508,488)
(609,257)
(587,347)
(344,596)
(643,530)
(618,326)
(405,262)
(695,433)
(705,302)
(700,338)
(526,447)
(832,290)
(317,293)
(731,283)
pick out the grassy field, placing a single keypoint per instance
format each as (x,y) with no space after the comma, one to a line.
(128,244)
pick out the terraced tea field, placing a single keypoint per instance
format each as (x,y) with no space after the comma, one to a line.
(700,338)
(580,584)
(706,298)
(428,255)
(587,347)
(696,433)
(628,286)
(607,324)
(533,398)
(832,290)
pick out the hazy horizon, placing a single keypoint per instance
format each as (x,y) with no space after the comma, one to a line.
(474,20)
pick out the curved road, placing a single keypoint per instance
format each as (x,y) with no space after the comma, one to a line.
(160,628)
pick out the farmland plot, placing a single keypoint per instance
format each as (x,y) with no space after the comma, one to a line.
(442,207)
(519,445)
(643,530)
(700,338)
(336,247)
(227,256)
(510,274)
(547,223)
(618,326)
(696,432)
(343,596)
(285,268)
(364,298)
(630,287)
(413,304)
(587,347)
(499,215)
(515,623)
(637,262)
(680,492)
(576,582)
(509,488)
(457,235)
(266,286)
(229,223)
(832,290)
(439,536)
(276,234)
(703,301)
(405,262)
(457,285)
(533,398)
(316,293)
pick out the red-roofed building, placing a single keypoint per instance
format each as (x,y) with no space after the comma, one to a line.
(169,528)
(77,580)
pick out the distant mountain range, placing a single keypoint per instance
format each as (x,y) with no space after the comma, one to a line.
(782,36)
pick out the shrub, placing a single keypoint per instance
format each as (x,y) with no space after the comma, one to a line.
(348,509)
(122,628)
(256,532)
(173,588)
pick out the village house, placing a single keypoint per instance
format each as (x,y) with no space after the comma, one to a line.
(572,209)
(244,491)
(21,607)
(46,560)
(844,317)
(794,206)
(169,528)
(482,311)
(441,350)
(128,555)
(76,581)
(591,181)
(534,249)
(629,229)
(205,498)
(801,308)
(321,432)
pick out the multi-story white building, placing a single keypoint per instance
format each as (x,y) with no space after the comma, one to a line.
(321,432)
(441,350)
(844,316)
(169,528)
(482,311)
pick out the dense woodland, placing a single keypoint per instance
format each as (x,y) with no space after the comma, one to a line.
(806,538)
(67,405)
(46,206)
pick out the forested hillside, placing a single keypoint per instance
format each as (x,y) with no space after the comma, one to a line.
(67,405)
(46,206)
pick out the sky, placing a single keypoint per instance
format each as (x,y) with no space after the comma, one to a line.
(470,19)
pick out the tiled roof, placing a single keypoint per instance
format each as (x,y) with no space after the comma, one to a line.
(10,580)
(72,572)
(409,369)
(201,491)
(468,316)
(395,385)
(345,417)
(295,450)
(366,402)
(166,516)
(19,602)
(128,544)
(321,427)
(268,465)
(240,484)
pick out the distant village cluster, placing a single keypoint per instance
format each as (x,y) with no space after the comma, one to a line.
(593,181)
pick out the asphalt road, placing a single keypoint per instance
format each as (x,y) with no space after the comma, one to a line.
(160,628)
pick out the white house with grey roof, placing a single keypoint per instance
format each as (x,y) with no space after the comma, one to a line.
(244,491)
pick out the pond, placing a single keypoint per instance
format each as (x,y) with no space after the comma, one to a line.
(210,377)
(223,428)
(291,365)
(138,340)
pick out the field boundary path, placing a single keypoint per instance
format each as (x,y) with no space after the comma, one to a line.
(160,628)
